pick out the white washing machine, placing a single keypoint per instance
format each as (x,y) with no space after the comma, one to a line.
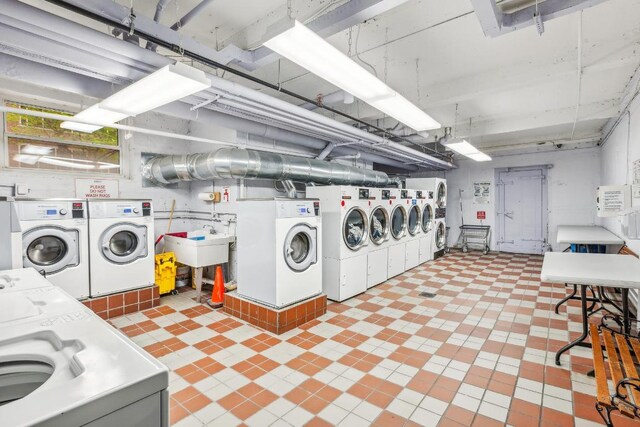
(439,188)
(414,229)
(425,201)
(397,246)
(121,240)
(279,250)
(379,236)
(61,365)
(55,241)
(345,221)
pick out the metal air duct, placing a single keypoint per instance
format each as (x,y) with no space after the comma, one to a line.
(251,164)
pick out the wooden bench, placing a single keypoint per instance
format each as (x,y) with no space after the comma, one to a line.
(624,395)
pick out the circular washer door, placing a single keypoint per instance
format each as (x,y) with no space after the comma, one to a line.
(379,225)
(124,243)
(441,195)
(413,222)
(300,247)
(427,218)
(50,249)
(440,236)
(355,229)
(398,222)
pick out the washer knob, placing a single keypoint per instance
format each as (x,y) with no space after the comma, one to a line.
(62,211)
(136,210)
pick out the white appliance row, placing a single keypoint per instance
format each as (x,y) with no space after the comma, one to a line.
(439,188)
(371,235)
(62,365)
(279,250)
(88,248)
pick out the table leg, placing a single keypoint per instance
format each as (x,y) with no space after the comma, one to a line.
(197,281)
(567,298)
(625,311)
(585,326)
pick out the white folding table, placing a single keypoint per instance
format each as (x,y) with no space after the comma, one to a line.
(601,270)
(587,235)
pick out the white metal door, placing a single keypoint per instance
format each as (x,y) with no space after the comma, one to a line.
(521,216)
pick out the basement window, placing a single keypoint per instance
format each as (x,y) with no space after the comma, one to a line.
(38,143)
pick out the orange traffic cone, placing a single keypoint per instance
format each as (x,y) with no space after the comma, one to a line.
(217,294)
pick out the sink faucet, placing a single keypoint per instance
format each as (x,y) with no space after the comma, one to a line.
(210,227)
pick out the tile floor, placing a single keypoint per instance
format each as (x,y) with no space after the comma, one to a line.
(478,353)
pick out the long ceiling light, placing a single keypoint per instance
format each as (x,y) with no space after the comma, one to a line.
(464,148)
(168,84)
(304,47)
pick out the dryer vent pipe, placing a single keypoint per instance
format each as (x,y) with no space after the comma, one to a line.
(252,164)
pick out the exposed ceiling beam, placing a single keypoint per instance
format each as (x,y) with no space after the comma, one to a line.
(496,23)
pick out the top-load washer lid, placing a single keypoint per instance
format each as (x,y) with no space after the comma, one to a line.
(88,369)
(50,248)
(355,228)
(398,222)
(441,195)
(22,279)
(300,247)
(124,242)
(413,220)
(427,218)
(379,225)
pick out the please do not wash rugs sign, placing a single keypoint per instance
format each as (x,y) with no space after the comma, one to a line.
(97,188)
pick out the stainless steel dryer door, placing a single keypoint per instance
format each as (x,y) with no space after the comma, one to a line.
(50,249)
(124,243)
(300,247)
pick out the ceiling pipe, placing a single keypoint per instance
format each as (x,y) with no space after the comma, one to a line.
(332,129)
(330,99)
(87,8)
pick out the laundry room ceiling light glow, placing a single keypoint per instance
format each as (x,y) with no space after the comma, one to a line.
(464,148)
(168,84)
(307,49)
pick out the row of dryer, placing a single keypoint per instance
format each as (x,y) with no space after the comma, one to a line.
(88,247)
(372,234)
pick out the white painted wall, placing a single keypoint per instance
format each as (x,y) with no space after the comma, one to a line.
(619,152)
(571,185)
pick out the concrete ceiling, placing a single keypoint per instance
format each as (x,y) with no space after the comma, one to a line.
(515,89)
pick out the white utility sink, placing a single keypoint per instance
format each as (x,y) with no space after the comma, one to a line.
(211,249)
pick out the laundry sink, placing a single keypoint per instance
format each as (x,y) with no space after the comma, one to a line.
(199,248)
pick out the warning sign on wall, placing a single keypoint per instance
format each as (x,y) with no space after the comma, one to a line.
(97,188)
(481,215)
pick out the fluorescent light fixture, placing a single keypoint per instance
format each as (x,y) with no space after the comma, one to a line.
(161,87)
(310,51)
(93,113)
(464,148)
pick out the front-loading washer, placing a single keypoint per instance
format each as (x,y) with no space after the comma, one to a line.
(55,241)
(279,251)
(121,238)
(439,188)
(379,237)
(397,246)
(414,229)
(61,365)
(425,201)
(345,243)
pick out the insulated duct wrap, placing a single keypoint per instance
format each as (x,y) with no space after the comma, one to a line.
(251,164)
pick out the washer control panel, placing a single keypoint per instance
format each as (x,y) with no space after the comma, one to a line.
(120,209)
(51,209)
(294,209)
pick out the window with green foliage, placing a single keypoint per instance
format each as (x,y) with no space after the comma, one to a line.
(39,143)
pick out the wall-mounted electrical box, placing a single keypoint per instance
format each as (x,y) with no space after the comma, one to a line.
(613,200)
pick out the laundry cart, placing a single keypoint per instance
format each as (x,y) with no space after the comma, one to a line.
(475,235)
